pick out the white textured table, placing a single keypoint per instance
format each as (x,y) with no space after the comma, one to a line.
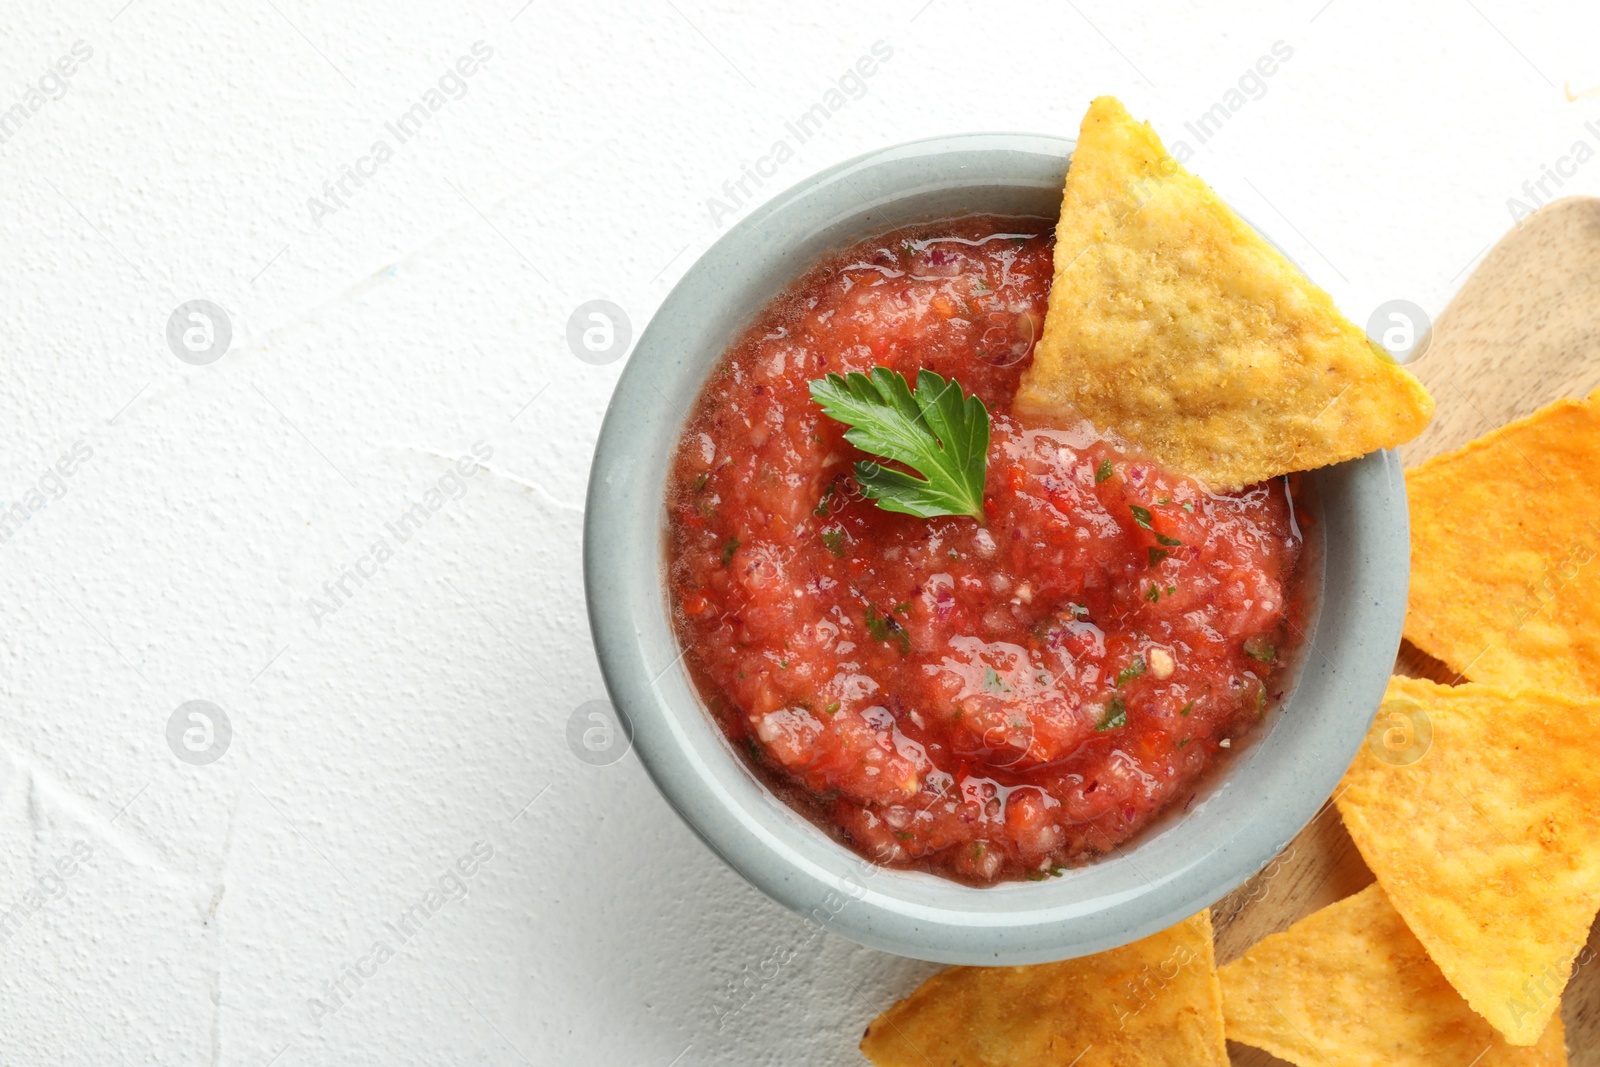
(394,855)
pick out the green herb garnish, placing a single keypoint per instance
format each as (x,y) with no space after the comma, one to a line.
(821,510)
(1116,714)
(1154,595)
(1185,741)
(1170,542)
(936,431)
(1157,555)
(833,541)
(831,707)
(1186,506)
(1140,515)
(1131,671)
(700,482)
(884,628)
(1102,472)
(1187,708)
(1260,649)
(729,547)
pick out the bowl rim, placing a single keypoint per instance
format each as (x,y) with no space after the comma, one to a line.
(775,848)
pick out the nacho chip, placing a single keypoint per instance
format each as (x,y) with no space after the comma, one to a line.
(1154,1003)
(1505,586)
(1350,986)
(1175,326)
(1486,838)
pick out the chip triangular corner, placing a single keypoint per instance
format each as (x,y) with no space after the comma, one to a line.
(1508,598)
(1350,986)
(1174,325)
(1153,1003)
(1486,837)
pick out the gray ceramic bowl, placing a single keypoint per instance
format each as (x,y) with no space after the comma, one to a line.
(1253,805)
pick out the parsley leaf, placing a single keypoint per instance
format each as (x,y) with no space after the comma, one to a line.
(821,510)
(1116,714)
(1131,671)
(1103,472)
(885,628)
(936,431)
(1140,515)
(1259,648)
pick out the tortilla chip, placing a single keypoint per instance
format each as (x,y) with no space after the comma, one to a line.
(1349,986)
(1504,536)
(1154,1003)
(1487,842)
(1175,326)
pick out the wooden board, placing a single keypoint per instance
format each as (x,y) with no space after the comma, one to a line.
(1523,331)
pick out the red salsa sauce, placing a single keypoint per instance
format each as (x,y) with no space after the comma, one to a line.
(989,700)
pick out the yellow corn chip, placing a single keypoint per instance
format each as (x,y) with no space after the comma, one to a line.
(1504,534)
(1175,326)
(1477,809)
(1349,986)
(1154,1003)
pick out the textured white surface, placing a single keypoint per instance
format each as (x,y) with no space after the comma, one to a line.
(374,747)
